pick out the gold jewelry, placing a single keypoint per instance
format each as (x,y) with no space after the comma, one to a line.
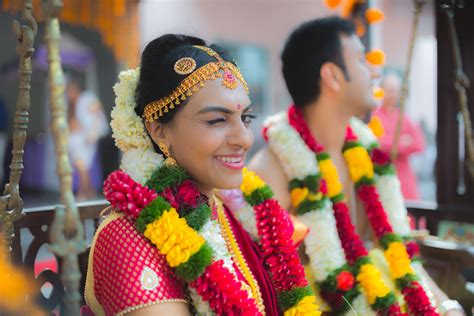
(169,161)
(185,66)
(194,81)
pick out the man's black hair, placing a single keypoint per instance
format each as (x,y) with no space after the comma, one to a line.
(310,46)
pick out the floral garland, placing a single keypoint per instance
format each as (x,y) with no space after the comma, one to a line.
(274,227)
(334,276)
(174,216)
(171,213)
(361,170)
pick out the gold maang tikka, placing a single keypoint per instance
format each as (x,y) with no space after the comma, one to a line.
(194,81)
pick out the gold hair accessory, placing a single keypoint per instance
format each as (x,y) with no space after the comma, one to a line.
(169,161)
(185,66)
(194,81)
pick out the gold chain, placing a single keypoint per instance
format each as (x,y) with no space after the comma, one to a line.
(239,259)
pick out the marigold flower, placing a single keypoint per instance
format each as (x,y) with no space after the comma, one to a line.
(329,172)
(371,281)
(332,4)
(251,182)
(398,260)
(376,126)
(376,57)
(307,306)
(174,238)
(359,163)
(374,15)
(298,195)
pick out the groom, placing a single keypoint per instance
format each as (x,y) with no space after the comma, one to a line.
(329,80)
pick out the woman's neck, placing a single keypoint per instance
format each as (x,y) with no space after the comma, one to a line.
(209,192)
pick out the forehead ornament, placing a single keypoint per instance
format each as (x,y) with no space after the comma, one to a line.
(185,66)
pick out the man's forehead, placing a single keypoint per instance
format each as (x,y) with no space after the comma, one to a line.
(352,43)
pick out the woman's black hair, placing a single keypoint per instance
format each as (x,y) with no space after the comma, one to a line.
(157,75)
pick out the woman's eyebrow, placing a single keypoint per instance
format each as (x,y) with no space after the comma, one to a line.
(213,108)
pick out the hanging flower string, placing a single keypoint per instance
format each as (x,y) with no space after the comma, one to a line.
(295,296)
(361,171)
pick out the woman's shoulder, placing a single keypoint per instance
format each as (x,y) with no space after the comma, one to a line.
(128,273)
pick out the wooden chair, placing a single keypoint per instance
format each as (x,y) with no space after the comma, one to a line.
(25,249)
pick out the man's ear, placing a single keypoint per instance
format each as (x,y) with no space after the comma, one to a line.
(157,132)
(331,76)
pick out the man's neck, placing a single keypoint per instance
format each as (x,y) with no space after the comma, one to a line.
(327,122)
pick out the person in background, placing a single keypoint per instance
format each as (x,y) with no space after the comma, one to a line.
(411,138)
(87,124)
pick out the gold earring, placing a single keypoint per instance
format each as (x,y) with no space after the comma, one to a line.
(169,161)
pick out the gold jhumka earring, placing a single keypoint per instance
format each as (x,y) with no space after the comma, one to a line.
(169,161)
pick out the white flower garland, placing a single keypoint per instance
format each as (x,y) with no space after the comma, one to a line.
(322,244)
(211,231)
(129,132)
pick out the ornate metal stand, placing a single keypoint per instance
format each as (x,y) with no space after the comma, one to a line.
(11,204)
(67,231)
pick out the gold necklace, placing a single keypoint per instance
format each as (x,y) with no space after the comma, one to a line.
(239,259)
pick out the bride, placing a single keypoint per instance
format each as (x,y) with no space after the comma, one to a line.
(169,246)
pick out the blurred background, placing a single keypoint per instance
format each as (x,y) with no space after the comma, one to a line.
(101,38)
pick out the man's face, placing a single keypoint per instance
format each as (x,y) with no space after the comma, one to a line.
(357,91)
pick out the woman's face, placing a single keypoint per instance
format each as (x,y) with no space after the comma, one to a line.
(210,136)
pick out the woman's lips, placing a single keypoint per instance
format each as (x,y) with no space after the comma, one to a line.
(234,162)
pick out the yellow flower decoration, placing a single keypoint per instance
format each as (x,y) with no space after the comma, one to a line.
(174,238)
(371,281)
(398,260)
(378,93)
(315,196)
(374,15)
(376,57)
(306,307)
(359,163)
(332,4)
(298,195)
(16,287)
(250,182)
(329,172)
(376,126)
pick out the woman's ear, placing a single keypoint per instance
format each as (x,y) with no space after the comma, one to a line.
(157,132)
(330,76)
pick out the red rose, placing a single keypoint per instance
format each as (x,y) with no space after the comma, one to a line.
(379,157)
(168,195)
(188,193)
(323,187)
(413,249)
(345,281)
(265,133)
(350,136)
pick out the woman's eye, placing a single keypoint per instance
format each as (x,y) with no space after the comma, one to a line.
(215,121)
(247,118)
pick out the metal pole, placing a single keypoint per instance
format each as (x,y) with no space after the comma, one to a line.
(11,204)
(67,231)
